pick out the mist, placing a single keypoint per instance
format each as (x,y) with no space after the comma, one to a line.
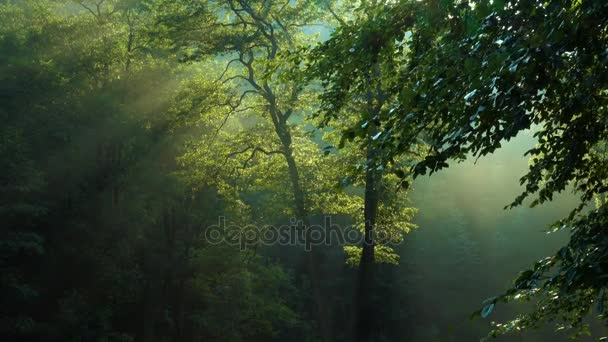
(225,171)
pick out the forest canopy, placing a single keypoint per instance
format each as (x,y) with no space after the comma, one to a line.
(248,170)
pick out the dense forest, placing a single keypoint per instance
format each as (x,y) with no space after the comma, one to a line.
(271,170)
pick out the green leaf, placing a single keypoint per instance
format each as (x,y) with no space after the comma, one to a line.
(487,310)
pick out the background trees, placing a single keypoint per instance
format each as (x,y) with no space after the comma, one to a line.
(130,127)
(101,236)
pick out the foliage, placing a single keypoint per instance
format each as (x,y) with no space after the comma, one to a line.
(96,110)
(131,126)
(475,74)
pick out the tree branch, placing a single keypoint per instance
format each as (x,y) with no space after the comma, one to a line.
(254,150)
(335,15)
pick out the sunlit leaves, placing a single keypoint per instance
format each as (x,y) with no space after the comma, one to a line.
(476,74)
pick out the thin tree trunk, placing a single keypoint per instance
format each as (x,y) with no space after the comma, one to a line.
(365,324)
(313,257)
(365,316)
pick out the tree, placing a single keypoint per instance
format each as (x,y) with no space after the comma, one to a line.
(257,37)
(356,69)
(478,73)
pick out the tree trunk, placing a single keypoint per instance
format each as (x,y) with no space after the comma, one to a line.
(365,324)
(313,257)
(365,319)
